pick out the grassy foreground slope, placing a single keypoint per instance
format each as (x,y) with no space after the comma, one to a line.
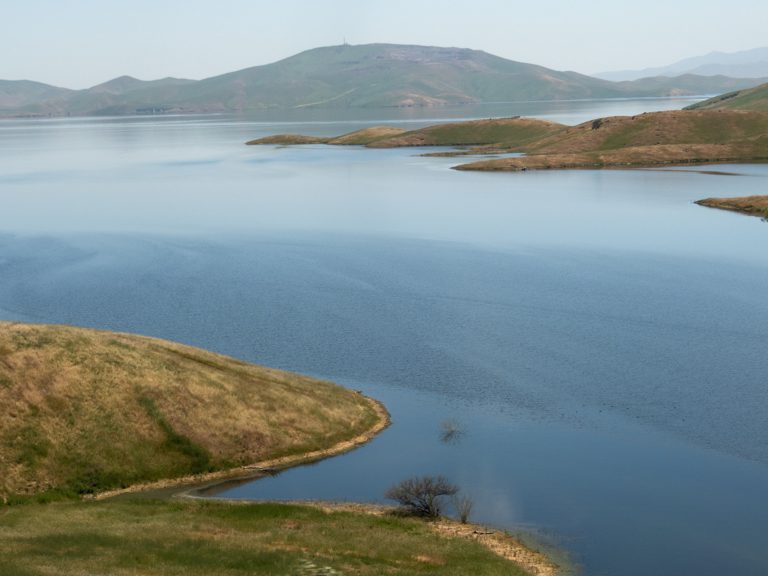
(749,99)
(184,538)
(83,411)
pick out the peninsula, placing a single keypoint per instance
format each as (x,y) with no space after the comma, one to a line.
(658,139)
(750,205)
(86,414)
(84,411)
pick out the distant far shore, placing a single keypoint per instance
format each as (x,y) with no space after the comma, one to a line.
(650,140)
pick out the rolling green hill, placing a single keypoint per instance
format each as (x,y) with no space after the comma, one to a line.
(749,99)
(373,75)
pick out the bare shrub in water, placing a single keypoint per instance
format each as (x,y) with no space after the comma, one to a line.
(451,431)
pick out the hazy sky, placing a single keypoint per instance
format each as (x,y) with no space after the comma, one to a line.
(79,43)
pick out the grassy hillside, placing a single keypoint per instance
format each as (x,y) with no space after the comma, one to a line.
(15,94)
(189,538)
(678,137)
(124,84)
(83,411)
(656,139)
(362,137)
(366,136)
(372,75)
(755,99)
(498,132)
(657,128)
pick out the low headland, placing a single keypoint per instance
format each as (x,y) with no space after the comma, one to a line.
(650,140)
(86,415)
(85,411)
(750,205)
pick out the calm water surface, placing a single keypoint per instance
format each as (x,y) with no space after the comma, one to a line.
(598,339)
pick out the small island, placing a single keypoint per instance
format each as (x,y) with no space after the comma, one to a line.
(104,438)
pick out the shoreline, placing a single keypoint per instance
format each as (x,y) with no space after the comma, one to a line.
(195,487)
(497,541)
(254,470)
(669,138)
(540,163)
(745,205)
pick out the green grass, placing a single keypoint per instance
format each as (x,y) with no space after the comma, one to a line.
(749,99)
(502,132)
(209,538)
(460,134)
(200,458)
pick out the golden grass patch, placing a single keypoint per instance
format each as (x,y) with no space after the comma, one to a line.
(83,410)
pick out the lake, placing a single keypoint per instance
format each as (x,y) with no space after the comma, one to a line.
(597,340)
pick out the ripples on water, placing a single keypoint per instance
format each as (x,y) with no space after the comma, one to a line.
(599,338)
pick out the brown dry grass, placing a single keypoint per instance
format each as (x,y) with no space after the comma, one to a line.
(499,132)
(507,132)
(648,140)
(84,410)
(677,137)
(630,157)
(752,205)
(288,139)
(676,127)
(366,136)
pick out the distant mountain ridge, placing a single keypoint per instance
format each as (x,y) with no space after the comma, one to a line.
(745,64)
(123,84)
(372,75)
(16,93)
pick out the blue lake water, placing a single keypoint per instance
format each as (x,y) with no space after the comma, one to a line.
(598,339)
